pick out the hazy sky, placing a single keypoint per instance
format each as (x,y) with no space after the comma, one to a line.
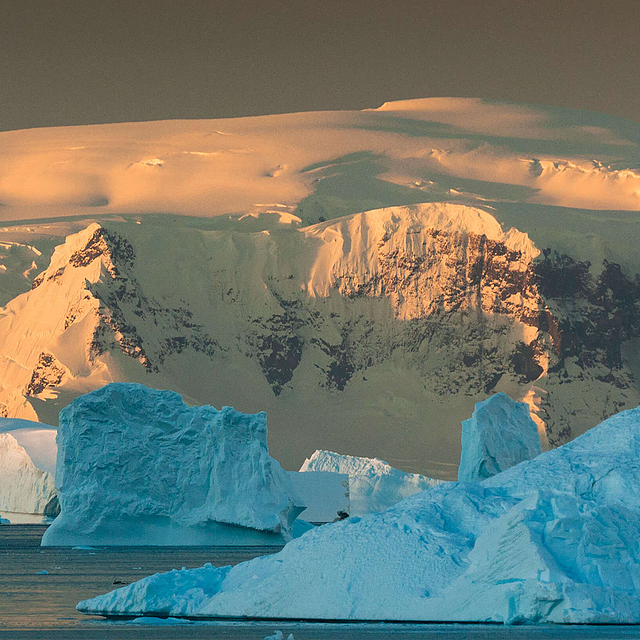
(68,62)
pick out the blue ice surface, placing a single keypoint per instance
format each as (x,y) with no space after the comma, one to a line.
(499,435)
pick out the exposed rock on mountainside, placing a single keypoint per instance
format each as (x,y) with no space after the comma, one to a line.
(438,290)
(46,373)
(364,277)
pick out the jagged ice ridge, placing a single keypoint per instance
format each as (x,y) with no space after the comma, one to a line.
(374,485)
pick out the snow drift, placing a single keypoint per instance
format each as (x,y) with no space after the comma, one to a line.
(27,466)
(499,435)
(374,485)
(138,466)
(553,539)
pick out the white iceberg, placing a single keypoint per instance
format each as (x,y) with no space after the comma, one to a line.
(326,494)
(553,539)
(499,435)
(374,485)
(138,466)
(27,467)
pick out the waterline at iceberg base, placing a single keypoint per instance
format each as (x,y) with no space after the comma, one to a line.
(553,539)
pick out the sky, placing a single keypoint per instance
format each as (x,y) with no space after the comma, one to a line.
(68,62)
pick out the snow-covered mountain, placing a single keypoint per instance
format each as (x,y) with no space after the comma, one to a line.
(414,259)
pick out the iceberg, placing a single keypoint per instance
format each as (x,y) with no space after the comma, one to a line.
(27,467)
(499,435)
(326,494)
(550,540)
(137,466)
(374,485)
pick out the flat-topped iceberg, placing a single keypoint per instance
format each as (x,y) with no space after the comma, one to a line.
(553,539)
(325,494)
(137,466)
(27,467)
(374,485)
(499,435)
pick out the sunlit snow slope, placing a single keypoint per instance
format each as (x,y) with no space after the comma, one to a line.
(365,277)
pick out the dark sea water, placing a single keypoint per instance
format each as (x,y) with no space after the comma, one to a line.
(43,606)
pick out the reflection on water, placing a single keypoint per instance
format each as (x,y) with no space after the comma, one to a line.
(36,605)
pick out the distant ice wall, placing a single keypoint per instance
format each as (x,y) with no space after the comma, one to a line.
(324,492)
(27,465)
(374,485)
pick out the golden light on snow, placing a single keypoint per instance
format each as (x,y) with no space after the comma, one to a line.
(218,167)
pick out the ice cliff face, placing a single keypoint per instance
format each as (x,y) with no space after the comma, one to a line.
(397,320)
(26,478)
(374,485)
(499,435)
(551,540)
(138,466)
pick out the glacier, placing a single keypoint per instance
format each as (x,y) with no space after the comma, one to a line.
(550,540)
(499,435)
(27,467)
(138,466)
(374,485)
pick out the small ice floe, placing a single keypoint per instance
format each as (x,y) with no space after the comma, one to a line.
(44,572)
(150,620)
(83,547)
(277,635)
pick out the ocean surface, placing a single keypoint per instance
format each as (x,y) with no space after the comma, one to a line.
(36,605)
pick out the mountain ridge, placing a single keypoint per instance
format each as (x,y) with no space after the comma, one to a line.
(364,277)
(327,306)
